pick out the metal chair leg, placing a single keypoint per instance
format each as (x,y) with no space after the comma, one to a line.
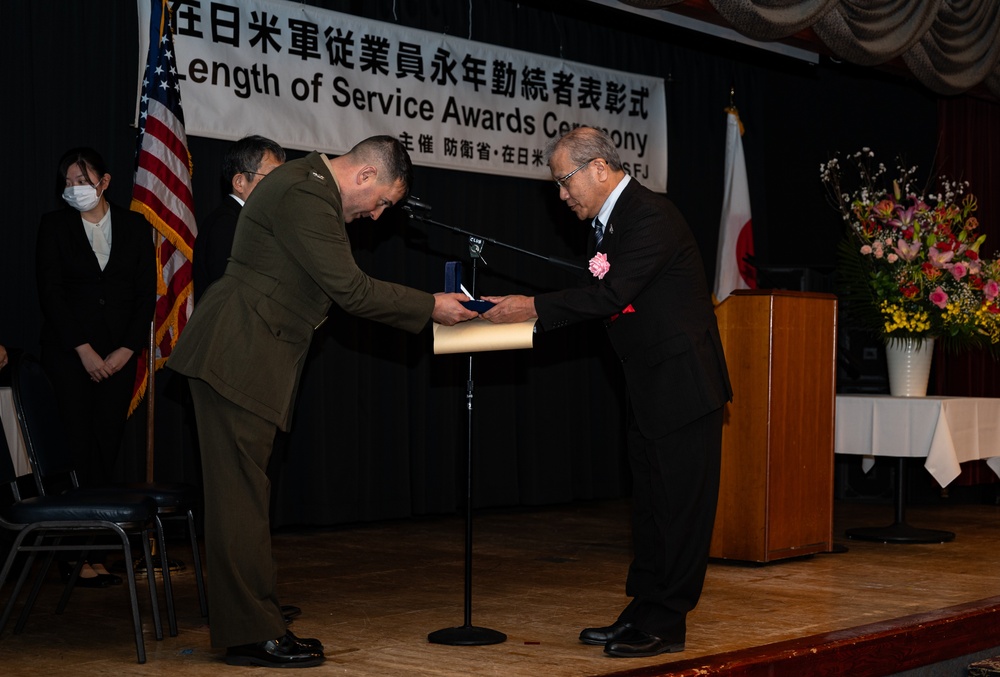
(168,588)
(20,579)
(29,603)
(140,645)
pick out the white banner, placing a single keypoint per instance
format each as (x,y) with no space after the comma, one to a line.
(313,79)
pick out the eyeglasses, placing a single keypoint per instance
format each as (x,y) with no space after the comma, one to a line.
(561,181)
(255,174)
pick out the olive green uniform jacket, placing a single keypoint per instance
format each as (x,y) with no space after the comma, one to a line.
(291,259)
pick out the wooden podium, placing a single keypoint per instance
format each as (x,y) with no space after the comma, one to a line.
(776,492)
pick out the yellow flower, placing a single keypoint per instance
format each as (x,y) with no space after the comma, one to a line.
(897,319)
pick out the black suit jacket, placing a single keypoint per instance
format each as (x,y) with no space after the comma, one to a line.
(81,303)
(658,311)
(214,244)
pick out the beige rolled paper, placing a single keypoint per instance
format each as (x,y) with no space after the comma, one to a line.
(479,335)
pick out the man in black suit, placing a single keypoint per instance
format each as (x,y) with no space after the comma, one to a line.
(246,162)
(650,291)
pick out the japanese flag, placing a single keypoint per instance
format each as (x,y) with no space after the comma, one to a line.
(732,271)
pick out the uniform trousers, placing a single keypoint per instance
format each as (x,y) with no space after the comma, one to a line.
(674,495)
(242,577)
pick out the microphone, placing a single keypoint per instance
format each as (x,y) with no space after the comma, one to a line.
(413,204)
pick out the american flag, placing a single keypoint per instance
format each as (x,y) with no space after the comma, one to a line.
(162,189)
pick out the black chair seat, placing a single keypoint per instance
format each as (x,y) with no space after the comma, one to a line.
(119,508)
(168,497)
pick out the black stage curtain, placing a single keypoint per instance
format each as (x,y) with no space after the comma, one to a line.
(380,426)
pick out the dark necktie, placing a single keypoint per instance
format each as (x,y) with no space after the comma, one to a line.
(598,232)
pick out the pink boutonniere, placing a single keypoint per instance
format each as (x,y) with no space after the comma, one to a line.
(599,265)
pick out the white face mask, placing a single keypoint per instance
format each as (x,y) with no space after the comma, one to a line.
(81,198)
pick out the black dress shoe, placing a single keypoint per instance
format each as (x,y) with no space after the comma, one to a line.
(66,570)
(290,613)
(634,643)
(601,636)
(92,582)
(305,642)
(112,579)
(283,652)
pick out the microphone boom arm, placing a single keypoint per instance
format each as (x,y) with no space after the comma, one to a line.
(551,259)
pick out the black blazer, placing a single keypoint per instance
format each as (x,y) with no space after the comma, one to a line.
(214,244)
(656,306)
(81,303)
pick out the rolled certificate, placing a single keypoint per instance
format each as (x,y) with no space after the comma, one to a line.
(479,335)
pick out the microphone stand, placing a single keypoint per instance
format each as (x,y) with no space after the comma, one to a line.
(468,634)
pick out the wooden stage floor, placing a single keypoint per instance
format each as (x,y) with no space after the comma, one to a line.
(372,593)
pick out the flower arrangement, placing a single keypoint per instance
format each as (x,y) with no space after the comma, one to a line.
(912,261)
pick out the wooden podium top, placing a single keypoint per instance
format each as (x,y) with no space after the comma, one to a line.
(781,292)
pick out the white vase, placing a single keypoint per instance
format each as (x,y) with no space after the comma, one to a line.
(909,366)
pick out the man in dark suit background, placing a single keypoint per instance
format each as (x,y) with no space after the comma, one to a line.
(243,351)
(651,293)
(246,162)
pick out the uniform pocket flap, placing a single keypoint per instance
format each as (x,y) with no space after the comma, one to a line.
(283,323)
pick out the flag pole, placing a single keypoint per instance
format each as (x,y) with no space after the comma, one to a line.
(150,397)
(150,371)
(733,269)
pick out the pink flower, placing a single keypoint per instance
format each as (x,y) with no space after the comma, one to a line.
(599,265)
(938,258)
(907,250)
(939,298)
(959,270)
(991,289)
(892,258)
(866,249)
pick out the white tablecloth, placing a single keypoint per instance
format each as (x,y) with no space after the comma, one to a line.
(944,430)
(12,432)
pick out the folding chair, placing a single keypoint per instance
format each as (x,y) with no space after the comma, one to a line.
(41,523)
(50,456)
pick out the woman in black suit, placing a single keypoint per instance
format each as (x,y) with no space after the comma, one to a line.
(97,287)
